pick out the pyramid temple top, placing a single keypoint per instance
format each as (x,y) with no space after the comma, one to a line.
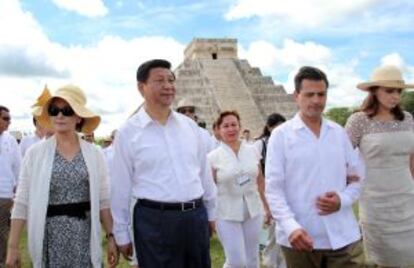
(211,48)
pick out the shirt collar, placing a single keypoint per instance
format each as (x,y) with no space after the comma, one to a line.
(142,118)
(299,124)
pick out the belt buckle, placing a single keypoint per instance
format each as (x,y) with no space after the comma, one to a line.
(187,209)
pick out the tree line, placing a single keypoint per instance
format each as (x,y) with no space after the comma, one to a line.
(341,114)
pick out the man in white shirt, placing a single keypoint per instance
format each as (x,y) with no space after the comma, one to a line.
(308,161)
(9,171)
(28,141)
(160,160)
(247,137)
(189,110)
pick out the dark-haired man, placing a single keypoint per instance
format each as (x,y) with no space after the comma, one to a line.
(160,160)
(308,160)
(9,171)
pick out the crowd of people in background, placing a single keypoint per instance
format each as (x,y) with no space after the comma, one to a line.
(162,185)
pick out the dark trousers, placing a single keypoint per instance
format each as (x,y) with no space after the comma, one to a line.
(171,239)
(350,256)
(5,206)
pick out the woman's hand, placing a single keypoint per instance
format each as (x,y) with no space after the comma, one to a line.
(113,253)
(13,258)
(267,217)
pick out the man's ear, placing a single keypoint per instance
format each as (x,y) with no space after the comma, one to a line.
(295,95)
(140,86)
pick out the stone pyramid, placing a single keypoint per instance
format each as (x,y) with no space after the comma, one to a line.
(214,79)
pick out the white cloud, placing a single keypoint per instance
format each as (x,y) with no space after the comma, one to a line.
(397,60)
(287,59)
(105,70)
(88,8)
(307,13)
(394,59)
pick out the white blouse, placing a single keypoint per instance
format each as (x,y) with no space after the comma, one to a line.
(236,177)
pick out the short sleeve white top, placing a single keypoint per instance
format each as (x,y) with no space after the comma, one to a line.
(236,177)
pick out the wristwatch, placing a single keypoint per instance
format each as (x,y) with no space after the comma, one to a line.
(109,235)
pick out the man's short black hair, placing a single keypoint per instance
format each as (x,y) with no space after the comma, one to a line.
(4,108)
(145,68)
(310,73)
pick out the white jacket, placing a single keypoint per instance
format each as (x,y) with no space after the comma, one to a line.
(32,197)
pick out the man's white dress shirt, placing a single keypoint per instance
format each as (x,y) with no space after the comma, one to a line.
(28,141)
(300,167)
(10,159)
(166,163)
(209,143)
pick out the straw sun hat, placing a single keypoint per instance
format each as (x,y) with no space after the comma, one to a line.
(41,100)
(385,76)
(77,101)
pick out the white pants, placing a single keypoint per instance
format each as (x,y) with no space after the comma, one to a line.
(240,241)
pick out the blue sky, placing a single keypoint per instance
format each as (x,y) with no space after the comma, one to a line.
(98,44)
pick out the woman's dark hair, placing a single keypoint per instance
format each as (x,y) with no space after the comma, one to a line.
(371,104)
(221,116)
(273,120)
(79,125)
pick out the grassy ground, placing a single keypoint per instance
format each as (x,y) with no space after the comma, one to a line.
(217,255)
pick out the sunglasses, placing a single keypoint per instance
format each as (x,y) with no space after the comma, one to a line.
(6,118)
(389,90)
(186,110)
(66,111)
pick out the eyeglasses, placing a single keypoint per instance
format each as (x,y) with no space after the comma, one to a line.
(185,110)
(66,111)
(6,118)
(390,90)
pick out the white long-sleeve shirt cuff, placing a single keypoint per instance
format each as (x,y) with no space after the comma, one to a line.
(289,225)
(122,237)
(211,210)
(19,211)
(346,200)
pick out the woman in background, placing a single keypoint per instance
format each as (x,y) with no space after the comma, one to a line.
(240,185)
(272,253)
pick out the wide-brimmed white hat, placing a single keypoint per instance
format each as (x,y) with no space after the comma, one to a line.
(185,103)
(385,76)
(77,101)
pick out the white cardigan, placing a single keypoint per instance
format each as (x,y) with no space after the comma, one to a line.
(32,197)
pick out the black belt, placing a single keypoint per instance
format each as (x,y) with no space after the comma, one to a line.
(181,206)
(77,210)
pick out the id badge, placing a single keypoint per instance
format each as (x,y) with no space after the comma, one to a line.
(243,179)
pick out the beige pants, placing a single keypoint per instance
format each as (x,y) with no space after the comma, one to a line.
(5,206)
(350,256)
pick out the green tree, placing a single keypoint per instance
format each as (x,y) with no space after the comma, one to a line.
(339,114)
(407,101)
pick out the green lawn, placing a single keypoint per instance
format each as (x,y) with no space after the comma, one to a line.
(217,255)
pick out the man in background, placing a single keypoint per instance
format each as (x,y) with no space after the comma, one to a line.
(10,158)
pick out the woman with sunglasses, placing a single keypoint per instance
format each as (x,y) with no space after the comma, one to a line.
(383,132)
(240,185)
(63,191)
